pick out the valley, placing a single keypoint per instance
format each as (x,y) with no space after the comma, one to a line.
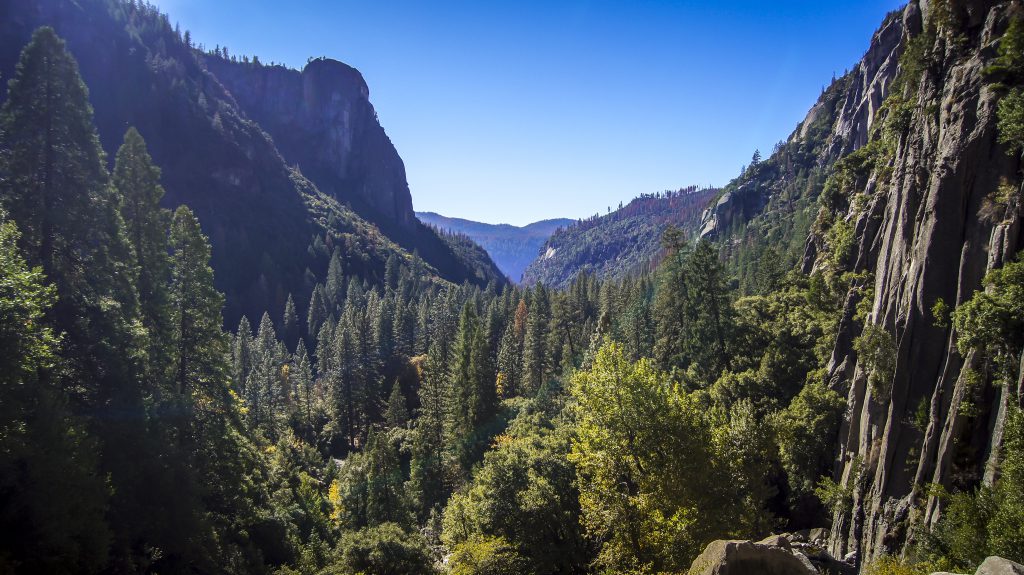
(231,345)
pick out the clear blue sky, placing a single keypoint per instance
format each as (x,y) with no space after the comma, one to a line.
(519,111)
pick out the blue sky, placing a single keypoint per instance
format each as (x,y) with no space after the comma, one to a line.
(519,111)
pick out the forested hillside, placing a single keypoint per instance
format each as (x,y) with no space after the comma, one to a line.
(623,242)
(276,193)
(842,349)
(511,247)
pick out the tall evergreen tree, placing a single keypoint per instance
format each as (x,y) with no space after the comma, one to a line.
(535,360)
(212,456)
(290,322)
(317,313)
(241,355)
(55,185)
(137,181)
(52,499)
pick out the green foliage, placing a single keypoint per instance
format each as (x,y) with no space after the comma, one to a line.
(49,486)
(941,313)
(382,550)
(876,352)
(523,498)
(653,490)
(693,314)
(1010,120)
(992,321)
(806,432)
(989,520)
(889,565)
(487,556)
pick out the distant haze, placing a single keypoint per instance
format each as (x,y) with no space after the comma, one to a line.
(511,247)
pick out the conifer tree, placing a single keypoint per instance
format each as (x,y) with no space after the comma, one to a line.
(241,355)
(307,403)
(199,344)
(334,289)
(428,484)
(54,184)
(535,367)
(137,181)
(397,414)
(290,322)
(317,313)
(209,479)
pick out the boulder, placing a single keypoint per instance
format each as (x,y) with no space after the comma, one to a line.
(746,557)
(999,566)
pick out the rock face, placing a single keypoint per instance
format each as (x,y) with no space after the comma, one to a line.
(322,121)
(925,233)
(773,556)
(924,227)
(228,147)
(836,125)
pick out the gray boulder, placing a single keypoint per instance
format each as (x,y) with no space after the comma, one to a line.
(999,566)
(770,557)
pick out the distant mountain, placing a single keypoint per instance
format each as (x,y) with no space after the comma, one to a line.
(620,243)
(282,166)
(511,247)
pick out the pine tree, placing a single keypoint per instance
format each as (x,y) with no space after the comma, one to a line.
(335,286)
(54,183)
(137,182)
(404,328)
(209,467)
(317,314)
(711,326)
(672,307)
(428,485)
(306,400)
(397,414)
(241,355)
(55,186)
(290,322)
(341,378)
(535,367)
(459,412)
(200,346)
(423,316)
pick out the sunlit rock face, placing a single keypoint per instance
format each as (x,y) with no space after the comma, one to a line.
(322,121)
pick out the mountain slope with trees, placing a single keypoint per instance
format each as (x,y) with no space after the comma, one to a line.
(273,225)
(623,242)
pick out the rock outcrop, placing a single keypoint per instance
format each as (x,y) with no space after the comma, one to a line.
(837,124)
(925,230)
(995,566)
(229,137)
(322,121)
(743,557)
(999,566)
(787,554)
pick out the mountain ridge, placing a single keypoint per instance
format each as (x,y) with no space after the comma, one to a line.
(622,242)
(272,227)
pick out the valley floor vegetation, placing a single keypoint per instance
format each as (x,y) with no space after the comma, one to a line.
(405,426)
